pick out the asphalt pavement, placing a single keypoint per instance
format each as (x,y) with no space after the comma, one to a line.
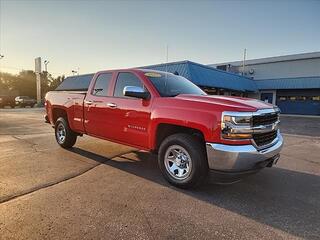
(103,190)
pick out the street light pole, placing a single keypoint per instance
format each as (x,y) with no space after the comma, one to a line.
(46,62)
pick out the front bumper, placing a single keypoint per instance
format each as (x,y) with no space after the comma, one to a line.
(235,158)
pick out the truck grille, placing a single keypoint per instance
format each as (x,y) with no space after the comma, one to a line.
(262,139)
(265,119)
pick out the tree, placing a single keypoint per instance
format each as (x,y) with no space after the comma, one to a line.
(56,82)
(6,83)
(24,83)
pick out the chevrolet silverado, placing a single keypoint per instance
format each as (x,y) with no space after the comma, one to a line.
(192,133)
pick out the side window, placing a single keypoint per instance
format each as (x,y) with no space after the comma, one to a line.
(101,85)
(123,80)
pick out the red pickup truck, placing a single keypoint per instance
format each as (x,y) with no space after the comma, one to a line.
(193,134)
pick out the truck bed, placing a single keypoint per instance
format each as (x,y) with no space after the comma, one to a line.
(72,102)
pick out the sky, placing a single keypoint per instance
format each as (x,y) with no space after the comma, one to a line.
(98,35)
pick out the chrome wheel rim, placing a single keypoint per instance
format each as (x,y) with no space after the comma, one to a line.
(178,162)
(61,133)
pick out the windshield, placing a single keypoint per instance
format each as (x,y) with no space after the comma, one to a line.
(170,85)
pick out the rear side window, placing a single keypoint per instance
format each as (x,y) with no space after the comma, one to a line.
(75,83)
(126,79)
(101,85)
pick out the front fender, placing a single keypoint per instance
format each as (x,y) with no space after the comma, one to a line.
(203,121)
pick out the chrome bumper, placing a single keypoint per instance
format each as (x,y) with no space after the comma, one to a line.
(233,158)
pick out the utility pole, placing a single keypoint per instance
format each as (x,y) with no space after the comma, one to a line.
(38,78)
(1,56)
(244,61)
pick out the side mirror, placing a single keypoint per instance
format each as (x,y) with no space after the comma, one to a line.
(136,92)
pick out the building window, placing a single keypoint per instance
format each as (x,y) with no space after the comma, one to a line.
(282,98)
(301,98)
(292,98)
(222,67)
(316,98)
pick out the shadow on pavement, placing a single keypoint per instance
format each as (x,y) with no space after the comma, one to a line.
(284,199)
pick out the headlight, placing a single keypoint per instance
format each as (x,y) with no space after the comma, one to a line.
(236,127)
(238,120)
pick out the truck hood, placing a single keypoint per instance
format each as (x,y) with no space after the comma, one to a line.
(234,103)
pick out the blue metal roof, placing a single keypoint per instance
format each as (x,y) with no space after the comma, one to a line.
(206,76)
(289,83)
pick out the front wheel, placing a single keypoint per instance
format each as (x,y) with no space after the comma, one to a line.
(182,160)
(65,137)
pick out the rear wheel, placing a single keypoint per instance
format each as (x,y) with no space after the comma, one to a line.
(182,160)
(65,137)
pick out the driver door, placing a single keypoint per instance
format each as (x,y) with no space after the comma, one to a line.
(130,115)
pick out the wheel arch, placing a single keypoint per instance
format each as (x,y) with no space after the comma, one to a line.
(163,130)
(57,113)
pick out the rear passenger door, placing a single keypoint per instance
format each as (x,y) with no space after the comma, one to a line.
(98,121)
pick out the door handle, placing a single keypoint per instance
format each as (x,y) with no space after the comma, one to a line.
(88,102)
(111,105)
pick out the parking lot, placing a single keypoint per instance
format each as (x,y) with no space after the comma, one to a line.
(102,190)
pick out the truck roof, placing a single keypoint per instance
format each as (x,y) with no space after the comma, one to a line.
(82,82)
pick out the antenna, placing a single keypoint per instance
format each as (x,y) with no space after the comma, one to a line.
(244,61)
(167,59)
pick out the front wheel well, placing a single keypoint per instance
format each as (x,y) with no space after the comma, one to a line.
(164,130)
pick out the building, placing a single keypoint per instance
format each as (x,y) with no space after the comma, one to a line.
(213,81)
(292,82)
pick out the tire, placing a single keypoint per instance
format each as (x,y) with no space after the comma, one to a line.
(65,137)
(182,160)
